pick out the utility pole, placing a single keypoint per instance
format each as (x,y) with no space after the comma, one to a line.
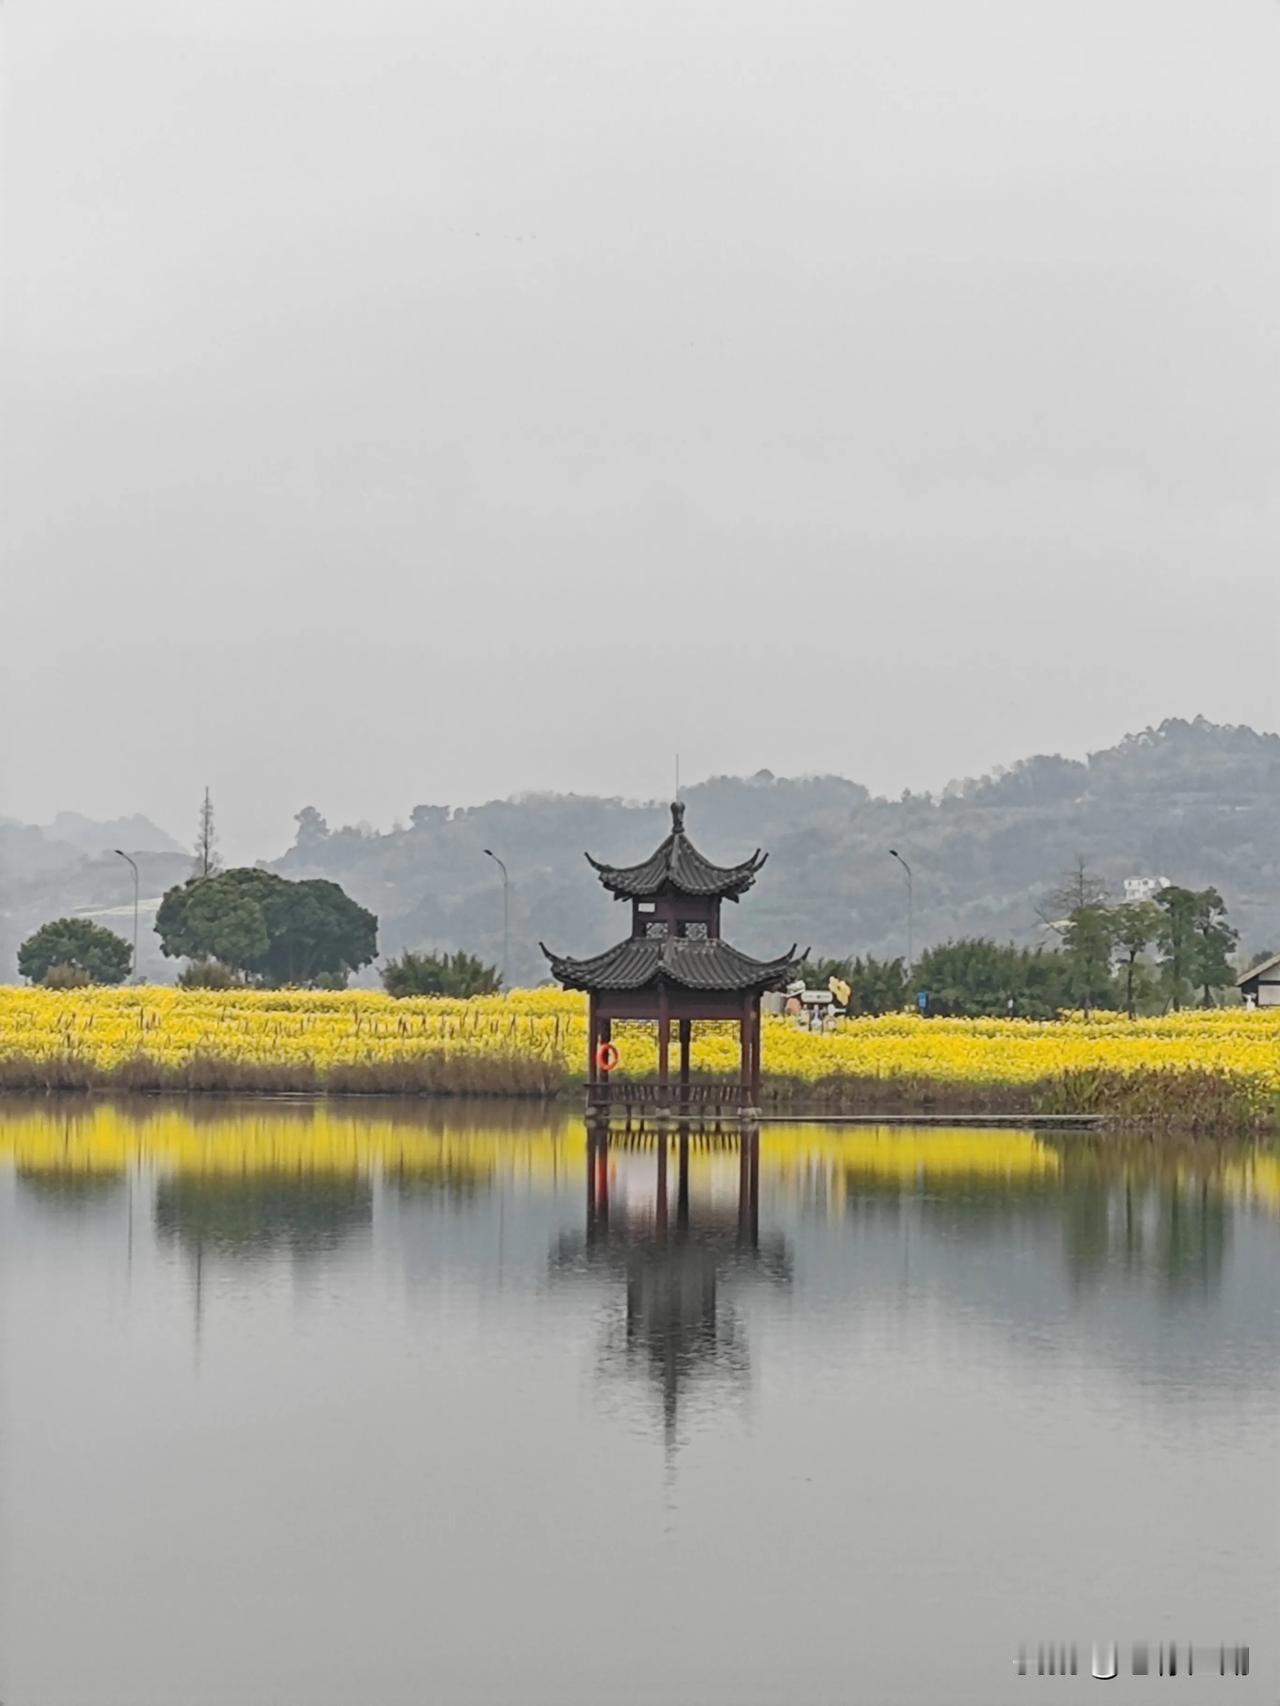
(506,918)
(133,863)
(894,854)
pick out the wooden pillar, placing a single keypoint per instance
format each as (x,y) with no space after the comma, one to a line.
(664,1036)
(602,1177)
(592,1039)
(744,1188)
(755,1051)
(753,1184)
(661,1227)
(592,1141)
(744,1074)
(686,1040)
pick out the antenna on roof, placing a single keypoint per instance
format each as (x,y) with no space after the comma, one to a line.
(677,793)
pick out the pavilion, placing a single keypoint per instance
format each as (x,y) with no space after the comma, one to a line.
(675,968)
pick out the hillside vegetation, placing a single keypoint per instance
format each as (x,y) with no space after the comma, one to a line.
(1192,801)
(1196,802)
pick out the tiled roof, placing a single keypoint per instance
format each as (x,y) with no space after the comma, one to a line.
(640,961)
(679,865)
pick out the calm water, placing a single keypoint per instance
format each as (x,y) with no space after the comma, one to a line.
(376,1405)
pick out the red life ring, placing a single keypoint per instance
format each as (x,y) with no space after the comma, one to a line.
(607,1057)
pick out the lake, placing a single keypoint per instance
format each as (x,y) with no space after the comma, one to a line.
(377,1402)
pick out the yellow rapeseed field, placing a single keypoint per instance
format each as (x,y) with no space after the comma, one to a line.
(322,1031)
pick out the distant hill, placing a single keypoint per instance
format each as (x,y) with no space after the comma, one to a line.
(69,867)
(1193,801)
(136,834)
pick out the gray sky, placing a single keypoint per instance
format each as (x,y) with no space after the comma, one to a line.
(424,401)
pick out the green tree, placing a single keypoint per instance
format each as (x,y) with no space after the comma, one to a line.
(1136,926)
(227,925)
(879,986)
(460,974)
(1214,942)
(312,828)
(97,955)
(268,929)
(1177,941)
(975,977)
(1087,943)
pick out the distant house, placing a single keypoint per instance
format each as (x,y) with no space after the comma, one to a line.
(1138,889)
(1260,986)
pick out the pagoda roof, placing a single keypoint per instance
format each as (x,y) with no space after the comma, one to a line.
(641,960)
(678,864)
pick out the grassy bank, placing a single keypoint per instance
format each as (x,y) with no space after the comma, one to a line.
(1189,1100)
(1192,1072)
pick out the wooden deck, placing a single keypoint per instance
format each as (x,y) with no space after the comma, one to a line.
(696,1101)
(719,1101)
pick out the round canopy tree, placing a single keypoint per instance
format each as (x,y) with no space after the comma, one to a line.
(267,928)
(97,955)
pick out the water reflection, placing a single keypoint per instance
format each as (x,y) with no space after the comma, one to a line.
(71,1188)
(262,1214)
(677,1272)
(1172,1227)
(440,1351)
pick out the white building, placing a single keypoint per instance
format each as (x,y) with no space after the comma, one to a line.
(1260,986)
(1138,889)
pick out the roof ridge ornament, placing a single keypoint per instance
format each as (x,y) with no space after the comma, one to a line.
(677,817)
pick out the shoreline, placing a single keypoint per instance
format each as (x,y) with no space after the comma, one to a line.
(1209,1072)
(965,1112)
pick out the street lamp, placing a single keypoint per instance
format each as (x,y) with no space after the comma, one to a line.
(506,916)
(894,854)
(133,863)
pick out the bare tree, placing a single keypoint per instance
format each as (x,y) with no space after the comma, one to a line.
(1077,888)
(206,860)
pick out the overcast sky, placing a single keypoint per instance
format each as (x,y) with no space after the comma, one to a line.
(423,400)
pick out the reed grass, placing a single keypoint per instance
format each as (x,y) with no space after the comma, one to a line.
(1190,1100)
(434,1073)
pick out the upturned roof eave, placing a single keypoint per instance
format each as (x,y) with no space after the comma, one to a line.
(672,866)
(660,963)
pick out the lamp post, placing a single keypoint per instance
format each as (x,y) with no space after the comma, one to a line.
(894,854)
(506,916)
(134,866)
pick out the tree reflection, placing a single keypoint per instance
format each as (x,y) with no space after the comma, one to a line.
(450,1179)
(77,1189)
(1130,1208)
(255,1215)
(1147,1212)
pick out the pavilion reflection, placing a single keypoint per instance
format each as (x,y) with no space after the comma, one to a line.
(672,1265)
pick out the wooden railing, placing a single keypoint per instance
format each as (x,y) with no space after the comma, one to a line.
(644,1094)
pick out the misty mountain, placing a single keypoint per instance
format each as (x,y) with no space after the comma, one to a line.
(1196,802)
(136,834)
(1193,801)
(68,867)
